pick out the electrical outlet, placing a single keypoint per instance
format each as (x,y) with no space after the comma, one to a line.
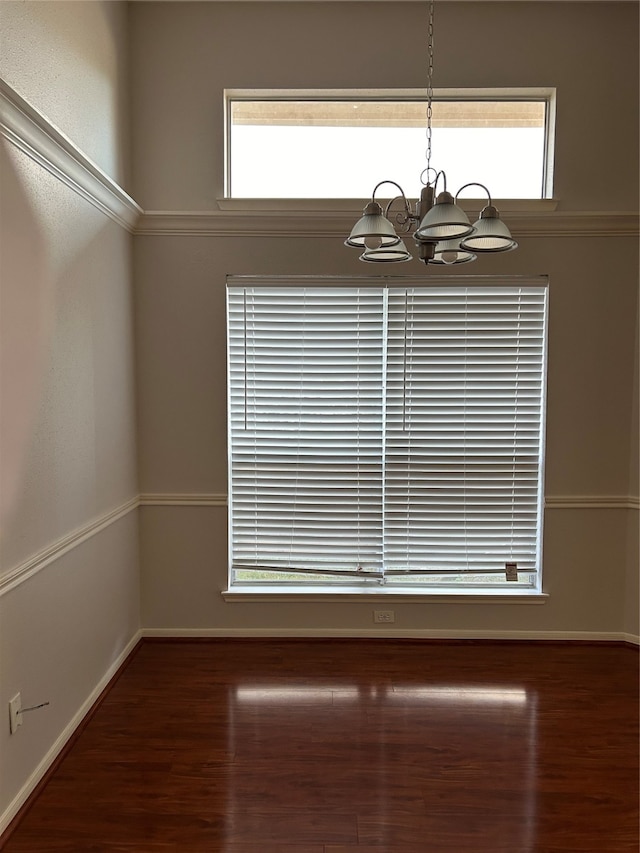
(15,717)
(384,616)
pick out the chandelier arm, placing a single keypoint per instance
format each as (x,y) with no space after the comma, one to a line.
(474,184)
(375,190)
(400,219)
(407,208)
(442,175)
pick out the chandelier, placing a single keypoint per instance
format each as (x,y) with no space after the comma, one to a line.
(441,229)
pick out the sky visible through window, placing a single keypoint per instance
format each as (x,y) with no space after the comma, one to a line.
(279,156)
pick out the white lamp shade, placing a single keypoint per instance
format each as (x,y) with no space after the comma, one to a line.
(490,235)
(387,254)
(450,252)
(444,221)
(372,228)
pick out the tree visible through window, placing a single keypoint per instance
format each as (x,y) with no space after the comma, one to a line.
(386,430)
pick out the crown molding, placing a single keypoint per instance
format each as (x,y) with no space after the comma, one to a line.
(327,223)
(31,132)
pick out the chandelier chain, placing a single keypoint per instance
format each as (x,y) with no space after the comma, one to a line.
(429,84)
(441,229)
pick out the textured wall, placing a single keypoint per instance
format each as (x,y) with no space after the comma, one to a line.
(77,449)
(70,61)
(67,395)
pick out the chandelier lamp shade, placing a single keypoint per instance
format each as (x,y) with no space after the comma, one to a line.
(441,229)
(489,234)
(373,229)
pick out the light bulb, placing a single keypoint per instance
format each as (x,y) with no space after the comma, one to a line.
(449,257)
(372,242)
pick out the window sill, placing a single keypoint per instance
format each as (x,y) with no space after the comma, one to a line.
(354,206)
(444,595)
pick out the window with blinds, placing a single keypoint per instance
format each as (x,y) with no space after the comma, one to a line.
(386,430)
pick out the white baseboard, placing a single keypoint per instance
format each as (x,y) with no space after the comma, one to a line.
(388,631)
(29,786)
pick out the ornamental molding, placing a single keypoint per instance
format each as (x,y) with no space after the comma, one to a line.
(31,132)
(551,502)
(45,557)
(592,502)
(208,499)
(326,223)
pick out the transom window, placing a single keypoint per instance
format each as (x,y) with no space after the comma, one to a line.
(340,145)
(386,431)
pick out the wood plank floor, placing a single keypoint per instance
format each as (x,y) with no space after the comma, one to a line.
(352,746)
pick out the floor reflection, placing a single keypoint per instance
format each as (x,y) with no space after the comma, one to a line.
(404,761)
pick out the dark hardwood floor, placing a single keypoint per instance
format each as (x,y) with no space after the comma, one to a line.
(355,746)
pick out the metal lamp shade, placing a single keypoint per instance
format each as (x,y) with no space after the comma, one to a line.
(490,235)
(444,221)
(450,252)
(387,254)
(372,226)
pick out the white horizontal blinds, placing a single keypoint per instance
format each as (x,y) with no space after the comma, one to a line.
(463,428)
(306,416)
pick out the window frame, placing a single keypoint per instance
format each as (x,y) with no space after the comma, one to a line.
(546,94)
(288,590)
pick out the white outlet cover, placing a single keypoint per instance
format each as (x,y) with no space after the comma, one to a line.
(15,717)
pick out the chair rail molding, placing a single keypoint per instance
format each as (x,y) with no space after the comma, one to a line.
(33,134)
(183,500)
(551,502)
(23,571)
(592,502)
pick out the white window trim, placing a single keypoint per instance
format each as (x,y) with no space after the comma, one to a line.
(354,206)
(548,93)
(373,591)
(327,594)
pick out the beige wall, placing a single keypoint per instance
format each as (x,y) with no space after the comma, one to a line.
(185,54)
(589,52)
(69,58)
(67,396)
